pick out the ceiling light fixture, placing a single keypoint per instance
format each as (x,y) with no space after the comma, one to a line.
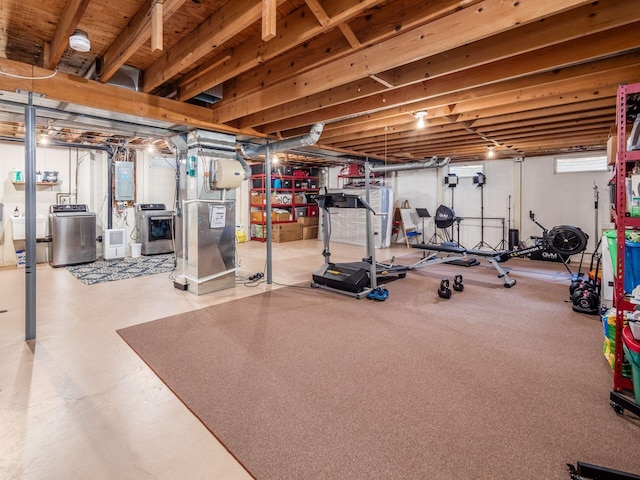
(420,116)
(490,152)
(79,41)
(274,158)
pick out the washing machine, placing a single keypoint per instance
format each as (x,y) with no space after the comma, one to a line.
(155,228)
(73,234)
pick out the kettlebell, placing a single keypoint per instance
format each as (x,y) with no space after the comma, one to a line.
(457,283)
(444,291)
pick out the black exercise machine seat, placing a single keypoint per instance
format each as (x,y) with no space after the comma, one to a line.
(450,247)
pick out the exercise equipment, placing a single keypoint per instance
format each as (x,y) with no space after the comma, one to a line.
(457,283)
(358,279)
(585,293)
(565,240)
(445,217)
(443,290)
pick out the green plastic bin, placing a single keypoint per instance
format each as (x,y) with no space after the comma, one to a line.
(635,373)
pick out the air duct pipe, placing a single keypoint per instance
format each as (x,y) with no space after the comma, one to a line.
(245,166)
(433,162)
(287,144)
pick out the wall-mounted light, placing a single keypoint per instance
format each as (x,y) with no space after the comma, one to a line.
(420,116)
(491,152)
(79,41)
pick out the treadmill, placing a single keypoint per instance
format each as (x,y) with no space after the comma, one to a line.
(359,278)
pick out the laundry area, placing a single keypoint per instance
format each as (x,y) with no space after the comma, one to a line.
(320,239)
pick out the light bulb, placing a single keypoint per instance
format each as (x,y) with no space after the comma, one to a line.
(421,122)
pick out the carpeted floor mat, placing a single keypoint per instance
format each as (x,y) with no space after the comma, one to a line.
(492,383)
(109,271)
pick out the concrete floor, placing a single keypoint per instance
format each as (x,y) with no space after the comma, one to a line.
(78,403)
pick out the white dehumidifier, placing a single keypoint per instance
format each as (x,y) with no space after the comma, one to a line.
(113,244)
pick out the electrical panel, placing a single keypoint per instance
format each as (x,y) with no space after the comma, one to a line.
(124,181)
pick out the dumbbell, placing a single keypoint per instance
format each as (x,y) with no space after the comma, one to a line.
(444,291)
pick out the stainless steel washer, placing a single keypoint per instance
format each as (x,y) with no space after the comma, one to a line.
(73,235)
(155,228)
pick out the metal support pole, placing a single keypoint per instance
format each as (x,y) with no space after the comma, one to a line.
(110,190)
(30,218)
(267,181)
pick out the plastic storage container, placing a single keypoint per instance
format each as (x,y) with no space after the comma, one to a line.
(631,259)
(631,266)
(136,250)
(632,352)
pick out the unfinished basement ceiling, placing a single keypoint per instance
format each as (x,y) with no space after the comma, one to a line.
(526,78)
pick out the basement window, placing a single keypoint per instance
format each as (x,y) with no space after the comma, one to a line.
(465,171)
(581,164)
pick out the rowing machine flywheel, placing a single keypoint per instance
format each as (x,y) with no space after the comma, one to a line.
(567,239)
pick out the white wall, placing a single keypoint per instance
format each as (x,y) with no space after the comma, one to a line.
(83,176)
(556,199)
(563,198)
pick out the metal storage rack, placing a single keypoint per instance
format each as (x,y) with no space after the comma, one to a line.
(624,157)
(291,187)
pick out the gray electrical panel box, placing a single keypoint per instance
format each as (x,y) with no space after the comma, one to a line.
(125,185)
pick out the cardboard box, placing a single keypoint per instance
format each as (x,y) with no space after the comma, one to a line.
(261,216)
(310,232)
(282,217)
(257,216)
(286,232)
(308,221)
(612,149)
(260,199)
(299,198)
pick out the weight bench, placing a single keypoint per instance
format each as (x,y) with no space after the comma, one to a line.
(494,258)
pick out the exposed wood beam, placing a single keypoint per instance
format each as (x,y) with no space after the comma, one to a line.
(203,69)
(483,19)
(378,25)
(318,12)
(79,91)
(350,35)
(252,52)
(269,12)
(501,109)
(133,37)
(383,79)
(324,19)
(156,26)
(549,58)
(460,84)
(71,15)
(214,31)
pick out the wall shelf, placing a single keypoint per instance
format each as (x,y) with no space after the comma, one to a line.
(44,184)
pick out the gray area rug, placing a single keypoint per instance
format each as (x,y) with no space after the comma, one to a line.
(103,271)
(493,383)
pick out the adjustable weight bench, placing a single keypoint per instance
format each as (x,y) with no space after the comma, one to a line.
(494,258)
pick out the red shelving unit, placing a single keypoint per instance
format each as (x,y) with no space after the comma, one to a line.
(625,158)
(291,194)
